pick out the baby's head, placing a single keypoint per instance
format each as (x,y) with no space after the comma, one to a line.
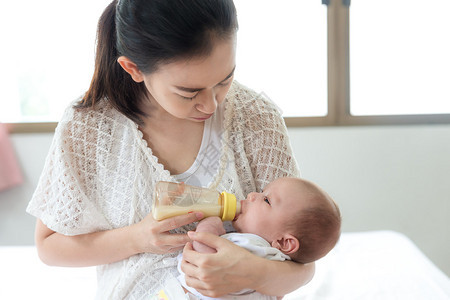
(293,215)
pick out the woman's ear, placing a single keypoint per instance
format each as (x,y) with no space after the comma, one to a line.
(287,244)
(131,68)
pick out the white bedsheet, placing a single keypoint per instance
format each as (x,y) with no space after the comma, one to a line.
(23,276)
(371,265)
(380,265)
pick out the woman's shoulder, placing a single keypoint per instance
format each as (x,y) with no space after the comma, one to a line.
(101,118)
(101,110)
(250,106)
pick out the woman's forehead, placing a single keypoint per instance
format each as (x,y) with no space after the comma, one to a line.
(196,70)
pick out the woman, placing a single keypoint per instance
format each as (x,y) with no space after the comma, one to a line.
(162,105)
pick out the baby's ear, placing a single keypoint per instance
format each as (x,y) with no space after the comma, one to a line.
(287,244)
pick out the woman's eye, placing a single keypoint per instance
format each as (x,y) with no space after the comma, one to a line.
(266,200)
(188,98)
(226,82)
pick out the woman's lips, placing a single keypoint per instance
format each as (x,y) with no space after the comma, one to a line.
(203,118)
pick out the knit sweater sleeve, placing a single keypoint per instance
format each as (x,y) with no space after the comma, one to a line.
(66,198)
(265,138)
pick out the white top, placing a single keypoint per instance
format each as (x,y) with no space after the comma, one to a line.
(256,245)
(100,174)
(207,162)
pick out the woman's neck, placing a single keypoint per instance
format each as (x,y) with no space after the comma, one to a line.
(175,142)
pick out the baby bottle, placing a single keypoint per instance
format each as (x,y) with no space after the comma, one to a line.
(173,199)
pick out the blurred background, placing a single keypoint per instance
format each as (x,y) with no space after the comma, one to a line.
(363,87)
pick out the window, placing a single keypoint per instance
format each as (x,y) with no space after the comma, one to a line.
(282,52)
(383,65)
(376,62)
(400,65)
(47,55)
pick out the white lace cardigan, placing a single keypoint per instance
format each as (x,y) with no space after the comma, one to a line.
(100,173)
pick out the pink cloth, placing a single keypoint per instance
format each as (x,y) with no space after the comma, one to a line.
(10,174)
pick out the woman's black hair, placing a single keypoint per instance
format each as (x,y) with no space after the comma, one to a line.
(151,33)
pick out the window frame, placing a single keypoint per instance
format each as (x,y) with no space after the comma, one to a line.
(338,76)
(338,17)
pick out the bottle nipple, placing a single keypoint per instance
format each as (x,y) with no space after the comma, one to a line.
(231,207)
(238,207)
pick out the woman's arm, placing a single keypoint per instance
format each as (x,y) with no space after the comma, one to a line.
(233,268)
(109,246)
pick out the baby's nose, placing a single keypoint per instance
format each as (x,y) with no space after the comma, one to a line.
(252,196)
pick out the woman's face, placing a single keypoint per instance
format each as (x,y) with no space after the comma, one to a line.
(191,89)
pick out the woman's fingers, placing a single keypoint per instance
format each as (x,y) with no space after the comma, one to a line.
(202,260)
(194,275)
(177,240)
(188,255)
(220,273)
(208,239)
(178,221)
(168,242)
(188,247)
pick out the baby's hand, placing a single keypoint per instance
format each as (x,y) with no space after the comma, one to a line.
(212,225)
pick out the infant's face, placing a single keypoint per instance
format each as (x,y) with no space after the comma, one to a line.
(264,214)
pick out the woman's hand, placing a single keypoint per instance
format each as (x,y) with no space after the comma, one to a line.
(220,273)
(233,268)
(154,237)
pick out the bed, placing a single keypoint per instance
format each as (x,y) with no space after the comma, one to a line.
(364,265)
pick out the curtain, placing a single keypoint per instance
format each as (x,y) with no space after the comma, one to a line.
(10,173)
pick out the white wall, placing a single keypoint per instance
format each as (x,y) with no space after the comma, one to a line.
(385,178)
(16,226)
(394,178)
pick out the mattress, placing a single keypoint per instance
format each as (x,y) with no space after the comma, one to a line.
(363,265)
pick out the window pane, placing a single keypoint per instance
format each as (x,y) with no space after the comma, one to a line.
(399,57)
(282,51)
(47,55)
(50,54)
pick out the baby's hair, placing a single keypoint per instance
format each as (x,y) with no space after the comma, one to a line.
(317,227)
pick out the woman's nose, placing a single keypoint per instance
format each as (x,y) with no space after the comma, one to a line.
(207,103)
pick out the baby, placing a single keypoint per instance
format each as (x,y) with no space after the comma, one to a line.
(291,219)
